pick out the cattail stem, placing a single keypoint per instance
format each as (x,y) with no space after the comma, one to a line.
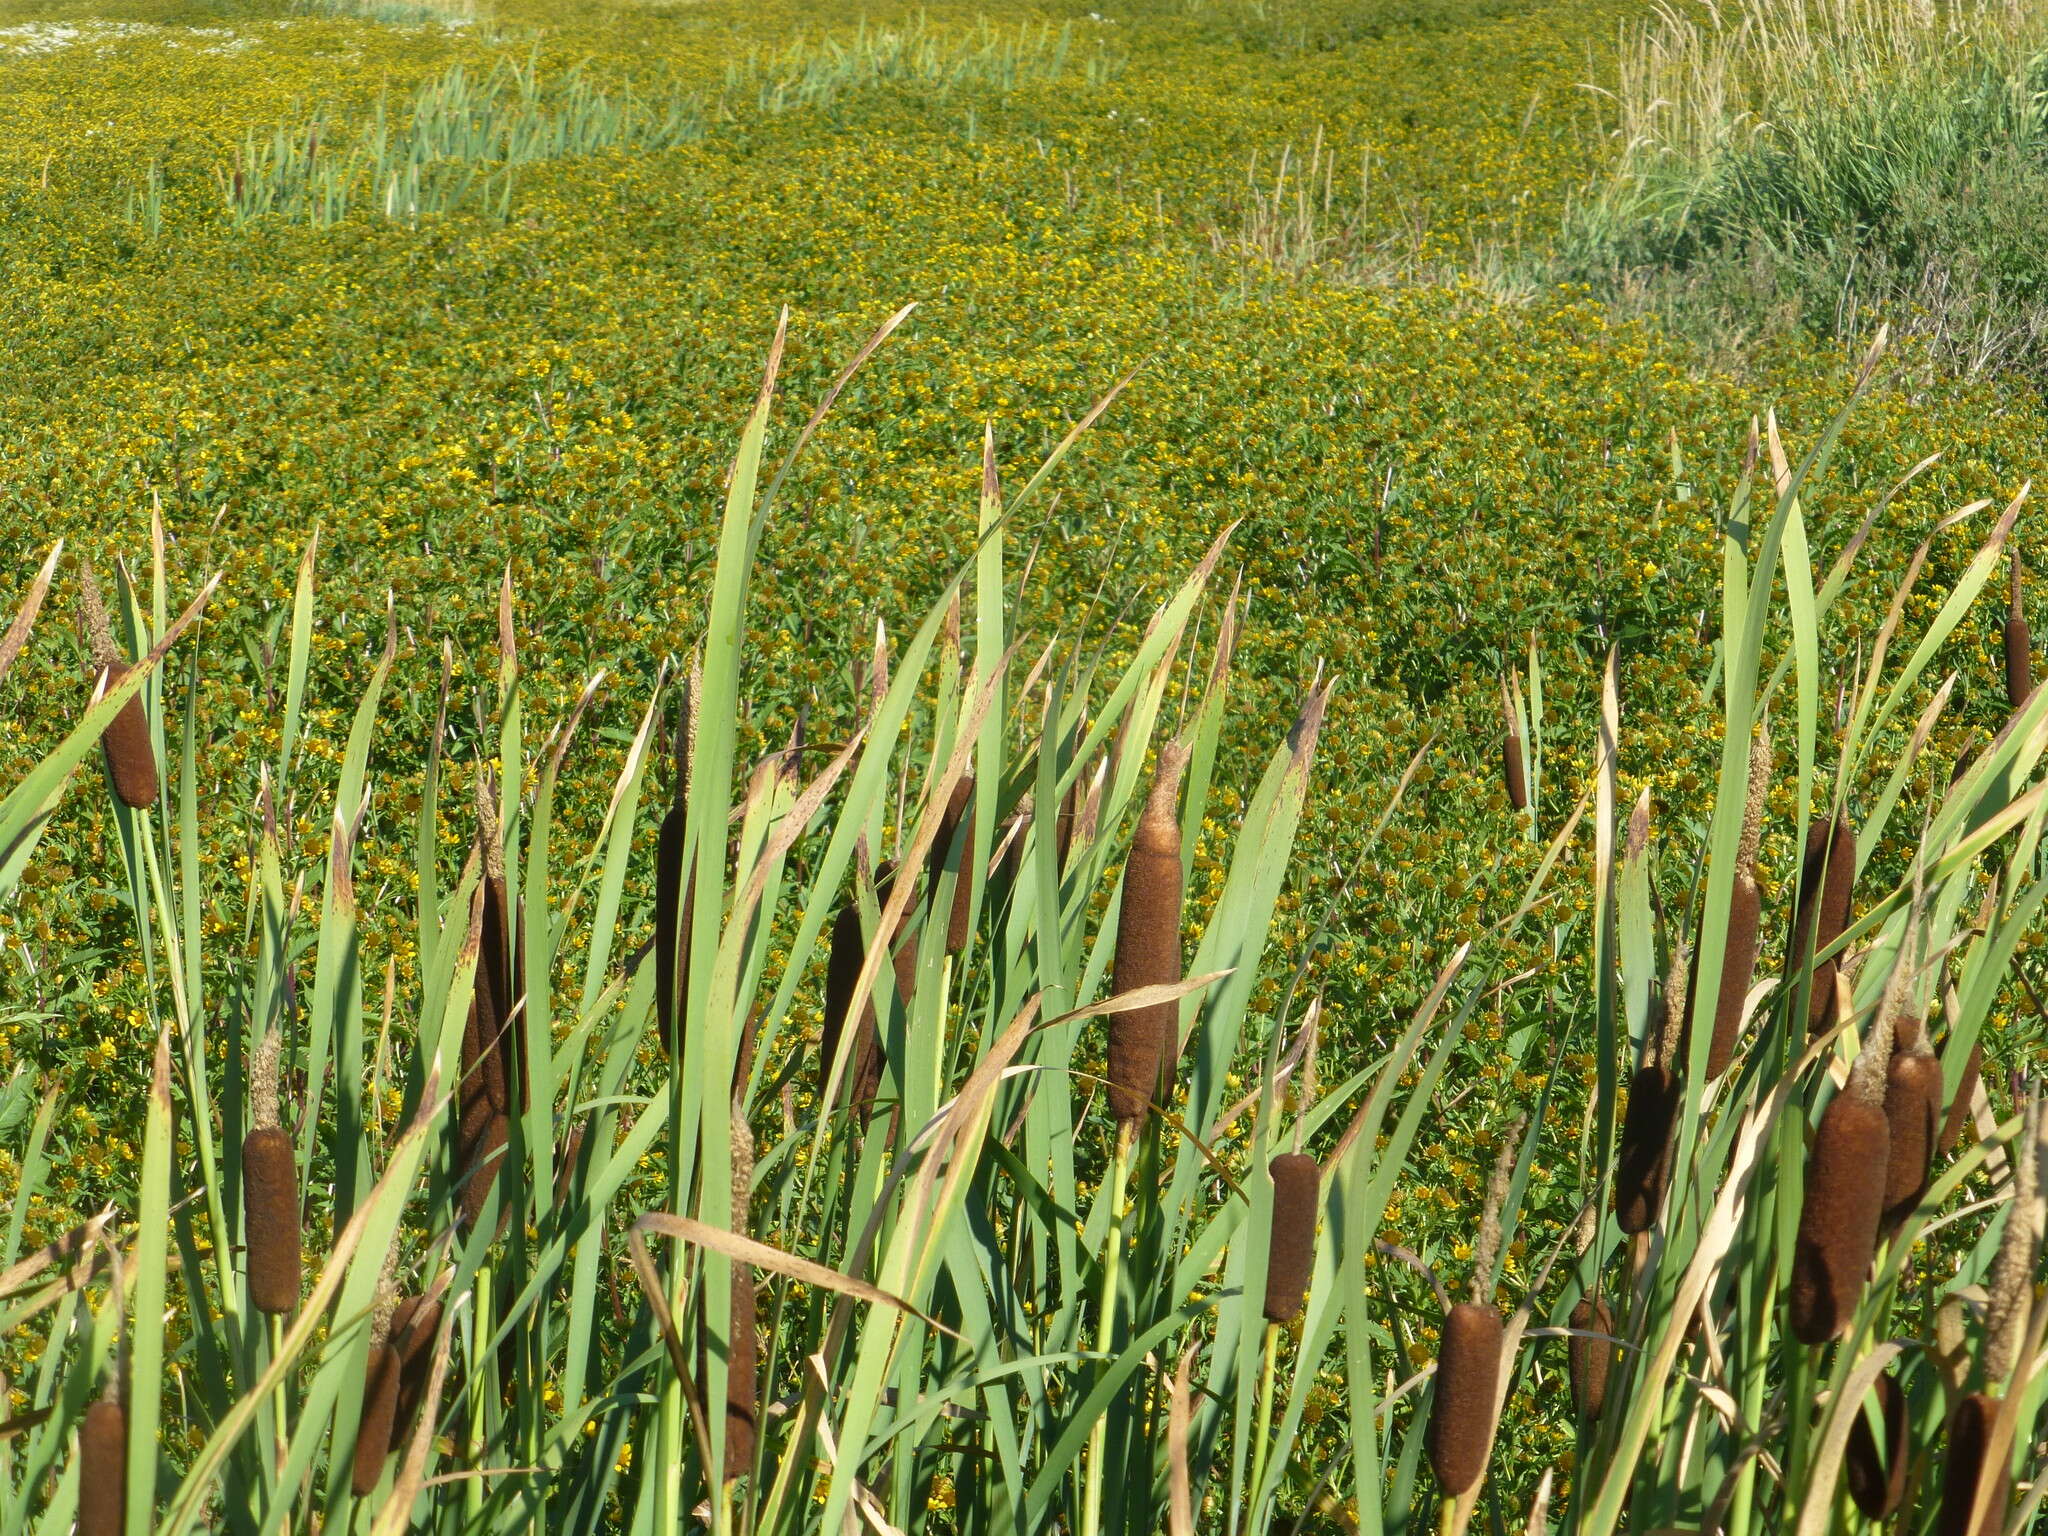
(1105,1337)
(1265,1416)
(280,1399)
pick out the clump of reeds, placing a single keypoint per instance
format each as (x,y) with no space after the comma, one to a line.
(1514,773)
(102,1468)
(2019,644)
(1291,1256)
(131,760)
(270,1190)
(1468,1361)
(1144,1041)
(1846,1173)
(1642,1165)
(1745,916)
(1877,1474)
(1820,913)
(380,1403)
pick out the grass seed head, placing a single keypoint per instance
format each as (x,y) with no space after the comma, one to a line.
(1591,1360)
(1291,1258)
(1877,1474)
(1143,1041)
(1467,1386)
(1643,1164)
(1845,1188)
(102,1470)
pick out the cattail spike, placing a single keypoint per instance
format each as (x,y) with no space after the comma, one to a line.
(1827,881)
(1591,1360)
(1738,969)
(956,825)
(1467,1389)
(102,1469)
(1643,1163)
(1143,1042)
(2009,1287)
(1755,804)
(379,1415)
(1846,1173)
(1969,1481)
(1291,1257)
(1486,1253)
(1877,1475)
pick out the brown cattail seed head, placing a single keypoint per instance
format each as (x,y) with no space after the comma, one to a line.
(1912,1108)
(2019,643)
(1144,1041)
(270,1214)
(956,825)
(1967,1464)
(1591,1360)
(1738,968)
(1827,880)
(1467,1385)
(483,1149)
(672,907)
(102,1470)
(131,759)
(415,1321)
(1644,1162)
(1291,1258)
(380,1413)
(1845,1179)
(1877,1475)
(1958,1116)
(1486,1252)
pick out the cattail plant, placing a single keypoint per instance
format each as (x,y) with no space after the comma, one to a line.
(130,758)
(1745,914)
(380,1404)
(1820,914)
(1876,1474)
(102,1468)
(1846,1174)
(1591,1361)
(2019,644)
(1642,1164)
(1143,1041)
(1912,1109)
(270,1190)
(1468,1361)
(1291,1256)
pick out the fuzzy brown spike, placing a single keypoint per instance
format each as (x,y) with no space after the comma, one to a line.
(270,1216)
(2019,645)
(957,824)
(673,890)
(842,973)
(1591,1360)
(1845,1189)
(1912,1110)
(102,1470)
(1467,1385)
(415,1322)
(1143,1042)
(1291,1257)
(379,1416)
(1877,1474)
(1738,970)
(1965,1465)
(1827,880)
(1643,1164)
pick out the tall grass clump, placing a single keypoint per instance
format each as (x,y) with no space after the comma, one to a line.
(846,1215)
(1829,166)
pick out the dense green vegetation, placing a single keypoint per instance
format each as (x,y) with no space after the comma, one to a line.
(1469,371)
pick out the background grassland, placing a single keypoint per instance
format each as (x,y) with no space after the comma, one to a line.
(1428,466)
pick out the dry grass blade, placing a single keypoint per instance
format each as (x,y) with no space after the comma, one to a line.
(25,616)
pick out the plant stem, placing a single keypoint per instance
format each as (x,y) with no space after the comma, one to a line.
(280,1406)
(1112,1266)
(1265,1422)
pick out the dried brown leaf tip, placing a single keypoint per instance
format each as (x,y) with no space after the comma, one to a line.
(1514,770)
(1144,1041)
(953,847)
(2019,643)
